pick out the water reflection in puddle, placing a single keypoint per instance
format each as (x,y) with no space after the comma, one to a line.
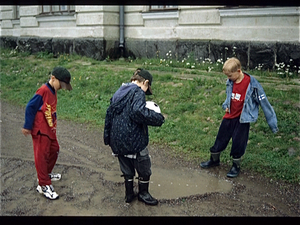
(175,183)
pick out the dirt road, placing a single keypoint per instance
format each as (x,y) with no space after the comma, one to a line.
(91,184)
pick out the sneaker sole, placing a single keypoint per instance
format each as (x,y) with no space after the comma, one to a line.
(50,198)
(55,179)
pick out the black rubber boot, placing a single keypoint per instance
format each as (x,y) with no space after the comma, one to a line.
(129,193)
(144,195)
(214,161)
(235,169)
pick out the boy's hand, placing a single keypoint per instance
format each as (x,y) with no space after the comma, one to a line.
(26,131)
(227,110)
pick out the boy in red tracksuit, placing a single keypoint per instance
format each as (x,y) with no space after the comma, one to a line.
(40,122)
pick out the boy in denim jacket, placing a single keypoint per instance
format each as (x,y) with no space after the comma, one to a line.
(244,96)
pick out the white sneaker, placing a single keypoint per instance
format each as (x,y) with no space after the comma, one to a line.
(55,176)
(47,191)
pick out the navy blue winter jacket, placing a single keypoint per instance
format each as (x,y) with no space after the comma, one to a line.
(127,120)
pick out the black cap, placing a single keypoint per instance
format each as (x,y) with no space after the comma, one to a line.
(145,74)
(64,76)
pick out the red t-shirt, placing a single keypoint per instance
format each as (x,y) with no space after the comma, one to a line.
(237,98)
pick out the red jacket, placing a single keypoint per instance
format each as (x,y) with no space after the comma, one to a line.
(40,113)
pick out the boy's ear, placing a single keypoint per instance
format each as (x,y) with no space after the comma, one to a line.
(52,77)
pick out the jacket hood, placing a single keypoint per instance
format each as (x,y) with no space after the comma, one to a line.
(122,91)
(122,96)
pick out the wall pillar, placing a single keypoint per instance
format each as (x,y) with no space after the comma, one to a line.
(28,16)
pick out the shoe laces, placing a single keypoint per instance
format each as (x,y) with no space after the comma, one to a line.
(44,188)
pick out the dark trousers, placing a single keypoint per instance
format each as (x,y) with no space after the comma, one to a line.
(239,132)
(141,164)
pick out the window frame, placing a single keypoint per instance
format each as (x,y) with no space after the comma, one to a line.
(59,12)
(164,8)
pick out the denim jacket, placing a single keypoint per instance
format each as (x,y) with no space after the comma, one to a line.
(255,96)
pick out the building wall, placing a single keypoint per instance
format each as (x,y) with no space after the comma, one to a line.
(86,22)
(267,34)
(214,23)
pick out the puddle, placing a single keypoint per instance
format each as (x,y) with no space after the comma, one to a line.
(176,183)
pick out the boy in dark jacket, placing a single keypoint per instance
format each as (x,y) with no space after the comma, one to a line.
(244,95)
(126,132)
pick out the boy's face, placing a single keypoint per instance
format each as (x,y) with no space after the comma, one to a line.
(234,76)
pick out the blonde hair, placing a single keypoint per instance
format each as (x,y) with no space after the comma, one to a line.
(232,65)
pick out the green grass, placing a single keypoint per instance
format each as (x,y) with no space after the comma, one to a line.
(190,94)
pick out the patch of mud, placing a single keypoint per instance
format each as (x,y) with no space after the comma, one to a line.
(91,184)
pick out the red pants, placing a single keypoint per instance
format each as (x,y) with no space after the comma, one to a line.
(45,156)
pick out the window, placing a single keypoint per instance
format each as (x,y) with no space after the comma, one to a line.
(161,12)
(57,9)
(162,7)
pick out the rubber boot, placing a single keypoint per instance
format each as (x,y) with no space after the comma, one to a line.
(235,169)
(144,195)
(129,193)
(213,161)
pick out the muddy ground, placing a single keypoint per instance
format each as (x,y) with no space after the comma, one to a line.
(91,184)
